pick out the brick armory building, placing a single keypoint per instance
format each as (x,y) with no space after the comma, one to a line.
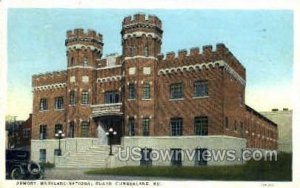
(189,100)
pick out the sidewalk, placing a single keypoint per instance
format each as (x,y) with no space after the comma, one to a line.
(78,174)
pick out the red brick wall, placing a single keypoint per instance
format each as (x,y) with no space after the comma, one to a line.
(224,91)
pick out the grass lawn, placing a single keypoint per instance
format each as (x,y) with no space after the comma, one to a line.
(280,170)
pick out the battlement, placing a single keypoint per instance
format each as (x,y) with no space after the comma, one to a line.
(49,78)
(81,33)
(141,18)
(46,74)
(207,50)
(205,55)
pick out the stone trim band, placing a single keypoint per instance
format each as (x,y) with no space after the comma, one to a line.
(195,67)
(50,86)
(141,33)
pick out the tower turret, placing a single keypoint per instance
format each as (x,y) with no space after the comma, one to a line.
(83,48)
(141,35)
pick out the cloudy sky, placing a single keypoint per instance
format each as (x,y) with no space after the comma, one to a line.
(261,39)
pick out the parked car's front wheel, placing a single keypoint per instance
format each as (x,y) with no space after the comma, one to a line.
(16,174)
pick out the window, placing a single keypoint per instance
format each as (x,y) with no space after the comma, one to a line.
(235,126)
(146,91)
(132,51)
(58,127)
(201,157)
(242,130)
(72,98)
(85,97)
(146,157)
(226,122)
(201,125)
(146,51)
(131,90)
(176,158)
(176,91)
(111,97)
(241,99)
(43,132)
(201,88)
(72,61)
(43,104)
(26,132)
(131,125)
(146,123)
(59,103)
(84,129)
(85,61)
(56,152)
(71,132)
(176,126)
(42,155)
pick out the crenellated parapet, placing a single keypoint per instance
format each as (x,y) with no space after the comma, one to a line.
(141,20)
(80,39)
(194,56)
(49,80)
(141,35)
(141,25)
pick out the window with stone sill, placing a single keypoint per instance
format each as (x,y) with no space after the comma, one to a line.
(58,127)
(85,129)
(201,125)
(176,91)
(59,103)
(111,97)
(131,126)
(43,132)
(131,91)
(176,126)
(42,157)
(146,91)
(85,97)
(43,104)
(201,88)
(71,129)
(72,98)
(146,124)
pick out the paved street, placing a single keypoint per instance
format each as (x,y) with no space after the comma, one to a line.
(78,174)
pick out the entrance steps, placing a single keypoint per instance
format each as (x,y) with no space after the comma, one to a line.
(93,157)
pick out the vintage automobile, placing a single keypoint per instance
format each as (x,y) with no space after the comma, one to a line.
(19,165)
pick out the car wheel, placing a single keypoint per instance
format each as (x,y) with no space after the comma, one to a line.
(16,174)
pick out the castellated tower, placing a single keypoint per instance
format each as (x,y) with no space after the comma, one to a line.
(83,50)
(141,42)
(141,35)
